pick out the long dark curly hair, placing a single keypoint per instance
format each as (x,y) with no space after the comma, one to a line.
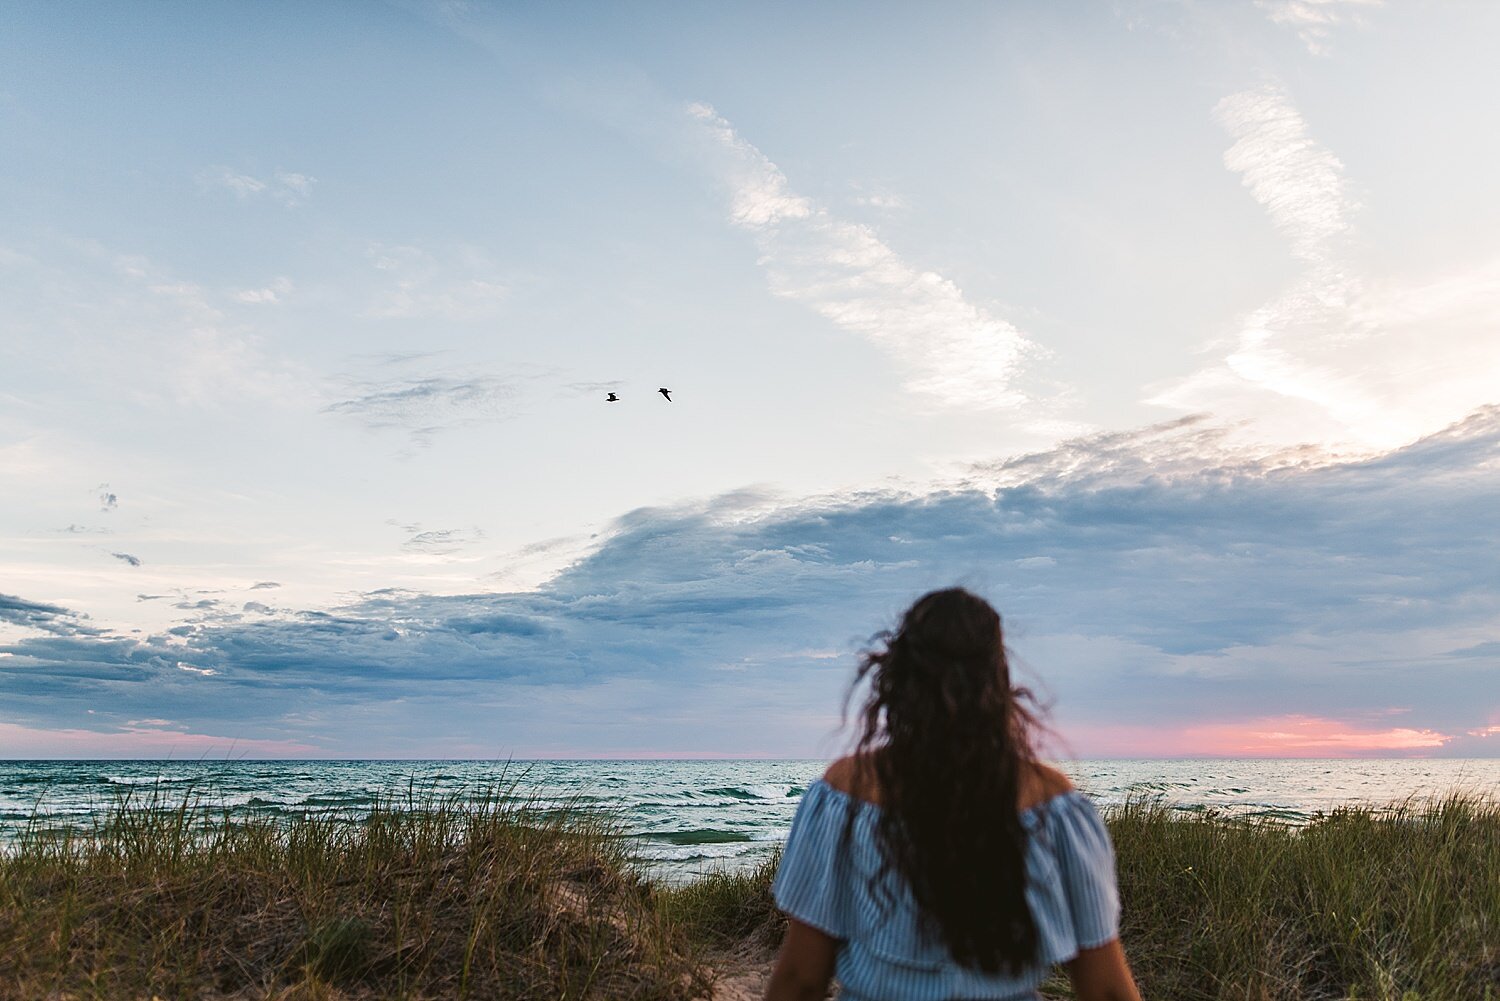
(949,739)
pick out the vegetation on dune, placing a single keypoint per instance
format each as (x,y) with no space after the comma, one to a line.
(1400,903)
(454,899)
(726,909)
(497,899)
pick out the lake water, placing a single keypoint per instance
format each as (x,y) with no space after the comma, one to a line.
(690,816)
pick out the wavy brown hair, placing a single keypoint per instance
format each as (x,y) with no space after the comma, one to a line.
(948,739)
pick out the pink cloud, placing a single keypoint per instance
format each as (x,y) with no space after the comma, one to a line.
(18,741)
(1288,736)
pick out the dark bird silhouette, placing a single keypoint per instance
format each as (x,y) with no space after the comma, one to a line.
(611,398)
(667,393)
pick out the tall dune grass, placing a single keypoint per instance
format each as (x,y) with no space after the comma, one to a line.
(499,898)
(1399,903)
(487,898)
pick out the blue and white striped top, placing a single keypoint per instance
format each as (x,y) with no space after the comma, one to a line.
(883,954)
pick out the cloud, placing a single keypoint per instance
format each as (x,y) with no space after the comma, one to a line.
(459,284)
(108,501)
(594,388)
(1268,605)
(1338,358)
(1300,184)
(52,619)
(952,352)
(438,542)
(268,294)
(134,561)
(242,185)
(1314,20)
(287,187)
(427,404)
(117,323)
(264,585)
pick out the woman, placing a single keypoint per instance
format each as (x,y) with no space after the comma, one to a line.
(941,860)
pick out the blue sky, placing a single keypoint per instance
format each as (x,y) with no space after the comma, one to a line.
(1167,326)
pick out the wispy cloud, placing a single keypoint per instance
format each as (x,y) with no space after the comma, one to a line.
(952,352)
(441,541)
(271,293)
(1314,20)
(425,405)
(134,561)
(461,284)
(1300,183)
(290,188)
(1338,358)
(129,326)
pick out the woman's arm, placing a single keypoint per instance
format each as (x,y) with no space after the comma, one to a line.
(804,966)
(1102,974)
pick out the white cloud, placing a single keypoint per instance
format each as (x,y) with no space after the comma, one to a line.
(954,353)
(271,293)
(1300,183)
(287,187)
(243,185)
(1340,359)
(295,185)
(1314,20)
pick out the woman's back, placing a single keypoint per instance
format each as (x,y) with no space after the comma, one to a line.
(940,859)
(832,879)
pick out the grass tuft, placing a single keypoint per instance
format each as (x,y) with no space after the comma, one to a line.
(724,909)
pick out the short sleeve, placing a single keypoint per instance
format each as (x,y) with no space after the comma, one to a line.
(1086,863)
(811,884)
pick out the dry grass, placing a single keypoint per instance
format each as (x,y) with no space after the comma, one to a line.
(498,899)
(453,899)
(1400,903)
(723,910)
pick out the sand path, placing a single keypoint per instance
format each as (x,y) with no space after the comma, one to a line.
(742,974)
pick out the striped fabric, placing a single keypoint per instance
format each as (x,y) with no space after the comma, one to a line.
(883,956)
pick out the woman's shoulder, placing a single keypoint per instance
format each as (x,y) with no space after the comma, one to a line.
(855,776)
(1042,783)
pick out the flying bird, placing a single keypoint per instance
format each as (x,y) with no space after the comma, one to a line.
(667,393)
(611,398)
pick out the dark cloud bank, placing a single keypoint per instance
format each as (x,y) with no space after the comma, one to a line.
(1142,587)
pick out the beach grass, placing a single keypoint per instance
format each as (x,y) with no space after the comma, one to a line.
(496,897)
(1400,902)
(475,898)
(727,908)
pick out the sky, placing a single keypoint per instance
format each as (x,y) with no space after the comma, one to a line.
(1170,327)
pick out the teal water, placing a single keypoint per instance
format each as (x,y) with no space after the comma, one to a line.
(686,817)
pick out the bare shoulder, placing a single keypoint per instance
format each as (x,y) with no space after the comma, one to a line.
(840,773)
(1041,783)
(853,775)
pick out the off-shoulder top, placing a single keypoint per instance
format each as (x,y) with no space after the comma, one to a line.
(884,954)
